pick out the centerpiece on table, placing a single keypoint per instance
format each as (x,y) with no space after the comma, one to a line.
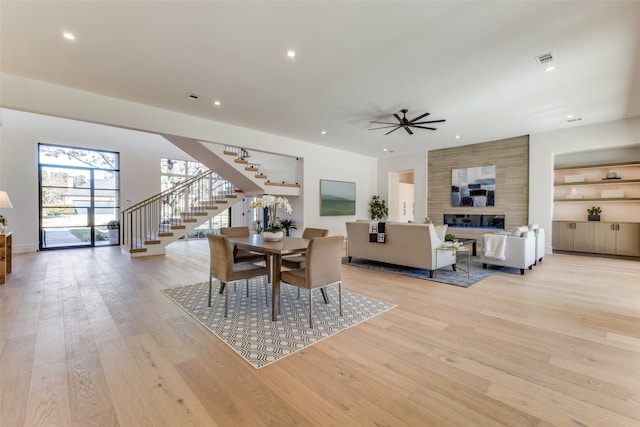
(273,230)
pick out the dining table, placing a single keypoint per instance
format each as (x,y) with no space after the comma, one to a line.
(275,250)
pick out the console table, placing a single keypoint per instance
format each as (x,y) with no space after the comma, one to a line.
(5,255)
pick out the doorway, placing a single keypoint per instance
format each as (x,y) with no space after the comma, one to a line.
(79,197)
(401,196)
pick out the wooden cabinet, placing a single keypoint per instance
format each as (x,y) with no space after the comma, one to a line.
(617,238)
(597,237)
(573,236)
(5,255)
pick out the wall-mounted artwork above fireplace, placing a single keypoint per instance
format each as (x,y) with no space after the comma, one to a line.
(473,186)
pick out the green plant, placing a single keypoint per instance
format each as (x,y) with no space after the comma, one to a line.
(378,208)
(114,224)
(594,210)
(288,224)
(449,236)
(4,220)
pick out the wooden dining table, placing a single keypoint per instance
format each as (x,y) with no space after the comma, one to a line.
(275,251)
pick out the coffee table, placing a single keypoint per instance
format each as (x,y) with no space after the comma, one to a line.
(466,241)
(459,251)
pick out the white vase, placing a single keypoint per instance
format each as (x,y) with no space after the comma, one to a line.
(270,236)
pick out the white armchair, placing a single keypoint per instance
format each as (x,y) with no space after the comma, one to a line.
(513,251)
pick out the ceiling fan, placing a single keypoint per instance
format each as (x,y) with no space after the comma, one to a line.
(405,123)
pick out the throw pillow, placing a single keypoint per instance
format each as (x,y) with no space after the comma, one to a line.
(441,231)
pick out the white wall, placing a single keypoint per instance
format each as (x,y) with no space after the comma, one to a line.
(543,147)
(35,96)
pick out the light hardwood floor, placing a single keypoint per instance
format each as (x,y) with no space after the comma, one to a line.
(87,339)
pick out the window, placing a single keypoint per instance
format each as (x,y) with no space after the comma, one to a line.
(174,172)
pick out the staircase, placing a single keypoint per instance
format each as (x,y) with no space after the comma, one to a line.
(149,226)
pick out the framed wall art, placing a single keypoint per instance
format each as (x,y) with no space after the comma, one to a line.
(337,198)
(473,186)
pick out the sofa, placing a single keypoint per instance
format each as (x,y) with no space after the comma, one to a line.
(411,245)
(515,249)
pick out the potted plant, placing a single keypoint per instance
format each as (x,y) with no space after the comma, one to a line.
(449,237)
(288,224)
(378,208)
(114,234)
(594,213)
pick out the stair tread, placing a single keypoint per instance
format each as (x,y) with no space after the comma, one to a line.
(282,184)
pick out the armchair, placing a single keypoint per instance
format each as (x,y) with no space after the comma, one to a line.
(519,251)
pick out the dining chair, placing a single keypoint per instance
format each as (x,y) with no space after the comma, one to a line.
(240,255)
(322,268)
(223,268)
(297,260)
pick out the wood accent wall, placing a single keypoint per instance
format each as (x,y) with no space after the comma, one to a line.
(511,157)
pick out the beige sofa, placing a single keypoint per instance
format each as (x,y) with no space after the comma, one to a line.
(412,245)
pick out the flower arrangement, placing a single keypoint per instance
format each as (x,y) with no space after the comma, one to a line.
(272,203)
(4,220)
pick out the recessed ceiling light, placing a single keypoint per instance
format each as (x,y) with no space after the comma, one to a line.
(291,53)
(67,35)
(385,149)
(550,68)
(457,136)
(569,116)
(324,132)
(217,103)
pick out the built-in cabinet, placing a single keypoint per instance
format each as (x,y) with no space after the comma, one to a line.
(616,238)
(610,238)
(573,236)
(615,188)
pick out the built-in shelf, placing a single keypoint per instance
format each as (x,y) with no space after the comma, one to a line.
(590,183)
(603,182)
(606,199)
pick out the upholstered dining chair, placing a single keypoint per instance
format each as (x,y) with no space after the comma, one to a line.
(223,268)
(297,261)
(322,268)
(238,254)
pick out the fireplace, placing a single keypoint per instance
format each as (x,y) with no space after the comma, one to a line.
(474,221)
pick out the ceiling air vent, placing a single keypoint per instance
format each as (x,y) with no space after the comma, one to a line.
(193,96)
(575,119)
(545,58)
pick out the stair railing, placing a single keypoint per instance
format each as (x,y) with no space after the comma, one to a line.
(170,209)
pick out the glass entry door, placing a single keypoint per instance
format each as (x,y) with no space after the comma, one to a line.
(79,197)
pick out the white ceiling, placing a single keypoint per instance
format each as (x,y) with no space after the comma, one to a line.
(471,63)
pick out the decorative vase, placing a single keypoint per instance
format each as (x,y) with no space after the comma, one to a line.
(594,217)
(271,236)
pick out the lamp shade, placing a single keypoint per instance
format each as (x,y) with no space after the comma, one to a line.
(5,202)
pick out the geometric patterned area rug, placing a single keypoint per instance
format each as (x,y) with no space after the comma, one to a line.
(251,333)
(443,275)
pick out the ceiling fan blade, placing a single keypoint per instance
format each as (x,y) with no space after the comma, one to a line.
(383,127)
(424,127)
(384,123)
(430,121)
(397,117)
(393,130)
(408,130)
(419,117)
